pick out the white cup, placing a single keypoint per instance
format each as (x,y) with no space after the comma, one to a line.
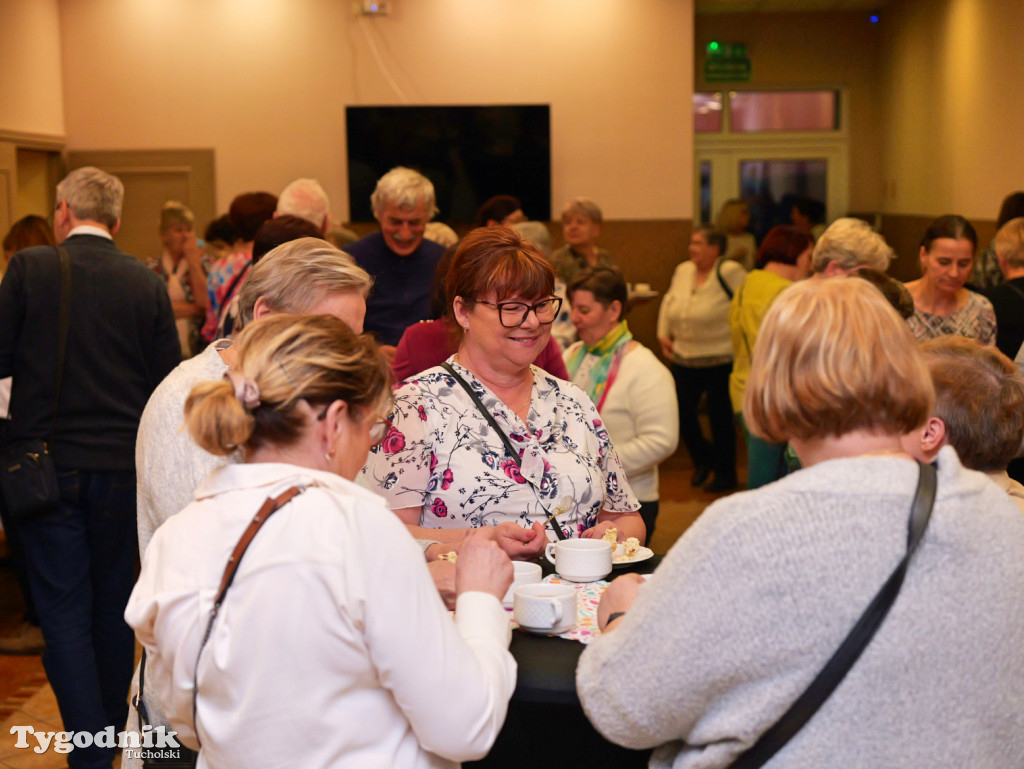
(545,608)
(526,573)
(580,560)
(642,288)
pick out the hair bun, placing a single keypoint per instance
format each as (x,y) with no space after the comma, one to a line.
(246,390)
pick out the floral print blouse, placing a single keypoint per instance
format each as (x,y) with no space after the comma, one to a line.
(441,455)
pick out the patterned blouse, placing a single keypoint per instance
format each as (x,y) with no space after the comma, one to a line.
(442,456)
(976,320)
(218,281)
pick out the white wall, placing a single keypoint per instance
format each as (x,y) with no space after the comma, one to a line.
(30,67)
(265,83)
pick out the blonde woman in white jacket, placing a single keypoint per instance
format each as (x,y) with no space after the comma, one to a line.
(632,389)
(332,646)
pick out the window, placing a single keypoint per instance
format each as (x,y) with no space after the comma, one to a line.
(784,110)
(707,112)
(766,111)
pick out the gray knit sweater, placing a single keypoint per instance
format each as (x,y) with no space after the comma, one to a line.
(756,596)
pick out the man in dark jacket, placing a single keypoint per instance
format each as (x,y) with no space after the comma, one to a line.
(121,342)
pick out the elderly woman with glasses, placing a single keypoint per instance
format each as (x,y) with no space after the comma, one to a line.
(488,439)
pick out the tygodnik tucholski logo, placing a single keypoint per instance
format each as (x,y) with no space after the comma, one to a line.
(150,743)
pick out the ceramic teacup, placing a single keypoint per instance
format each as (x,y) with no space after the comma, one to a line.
(581,560)
(545,608)
(526,573)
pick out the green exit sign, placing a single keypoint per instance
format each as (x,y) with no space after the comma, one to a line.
(726,63)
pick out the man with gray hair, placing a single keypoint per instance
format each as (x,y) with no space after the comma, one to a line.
(306,199)
(847,245)
(121,341)
(398,257)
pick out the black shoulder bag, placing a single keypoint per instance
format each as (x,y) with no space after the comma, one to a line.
(721,280)
(509,448)
(849,651)
(28,477)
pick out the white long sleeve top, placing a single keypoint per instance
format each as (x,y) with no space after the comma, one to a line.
(332,647)
(696,318)
(641,415)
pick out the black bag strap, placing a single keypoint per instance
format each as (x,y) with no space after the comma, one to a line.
(721,280)
(270,506)
(501,433)
(849,651)
(234,284)
(63,324)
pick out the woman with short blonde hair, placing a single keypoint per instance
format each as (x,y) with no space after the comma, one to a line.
(762,589)
(817,372)
(733,220)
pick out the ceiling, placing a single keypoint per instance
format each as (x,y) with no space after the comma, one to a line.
(776,6)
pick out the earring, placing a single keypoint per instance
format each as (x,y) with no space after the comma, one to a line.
(328,455)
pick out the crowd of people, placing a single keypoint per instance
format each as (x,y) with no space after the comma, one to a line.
(402,411)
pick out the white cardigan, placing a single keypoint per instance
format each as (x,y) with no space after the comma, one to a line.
(332,647)
(642,416)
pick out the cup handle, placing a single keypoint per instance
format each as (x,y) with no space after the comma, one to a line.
(548,553)
(556,606)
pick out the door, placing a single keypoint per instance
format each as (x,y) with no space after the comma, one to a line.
(759,146)
(152,177)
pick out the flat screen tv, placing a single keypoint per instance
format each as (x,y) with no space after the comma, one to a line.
(470,153)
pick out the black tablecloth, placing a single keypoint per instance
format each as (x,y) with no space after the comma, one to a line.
(546,726)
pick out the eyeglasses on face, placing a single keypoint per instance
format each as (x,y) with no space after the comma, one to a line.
(513,314)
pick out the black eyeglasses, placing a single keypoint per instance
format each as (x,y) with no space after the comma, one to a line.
(513,314)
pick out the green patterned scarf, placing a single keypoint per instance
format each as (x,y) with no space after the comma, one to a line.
(598,378)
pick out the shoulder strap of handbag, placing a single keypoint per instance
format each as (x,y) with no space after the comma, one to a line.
(234,283)
(494,426)
(721,280)
(63,324)
(270,506)
(743,333)
(849,651)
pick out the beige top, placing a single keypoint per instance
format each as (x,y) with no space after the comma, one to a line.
(696,318)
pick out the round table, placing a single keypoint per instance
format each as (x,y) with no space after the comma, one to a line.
(546,725)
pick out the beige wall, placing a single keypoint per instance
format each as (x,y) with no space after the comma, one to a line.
(265,84)
(30,84)
(812,50)
(952,103)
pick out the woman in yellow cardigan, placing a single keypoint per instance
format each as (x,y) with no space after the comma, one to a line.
(784,257)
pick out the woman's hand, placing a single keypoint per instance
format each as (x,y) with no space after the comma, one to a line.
(597,532)
(520,544)
(666,346)
(618,597)
(443,574)
(482,566)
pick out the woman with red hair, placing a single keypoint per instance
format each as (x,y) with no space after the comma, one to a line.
(784,257)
